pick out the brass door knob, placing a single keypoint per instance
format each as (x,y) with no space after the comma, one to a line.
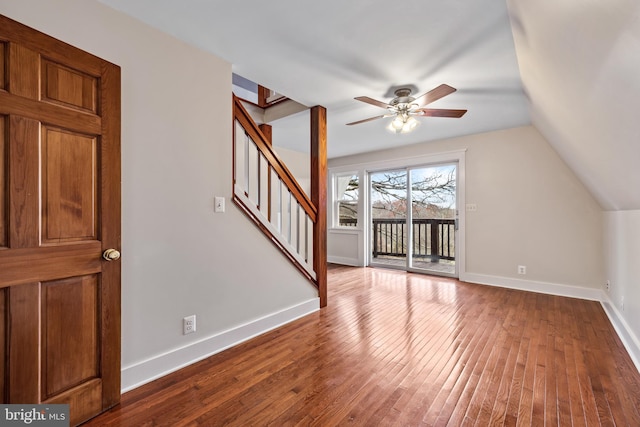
(111,254)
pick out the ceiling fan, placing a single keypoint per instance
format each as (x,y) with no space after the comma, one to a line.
(405,107)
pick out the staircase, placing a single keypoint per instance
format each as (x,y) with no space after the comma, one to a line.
(271,197)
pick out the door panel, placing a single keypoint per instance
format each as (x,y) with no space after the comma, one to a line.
(70,333)
(388,209)
(3,342)
(59,210)
(68,186)
(69,87)
(24,342)
(433,217)
(3,181)
(3,56)
(86,400)
(23,71)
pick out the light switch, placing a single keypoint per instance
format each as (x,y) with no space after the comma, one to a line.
(219,204)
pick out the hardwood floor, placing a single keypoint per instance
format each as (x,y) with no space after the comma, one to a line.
(403,349)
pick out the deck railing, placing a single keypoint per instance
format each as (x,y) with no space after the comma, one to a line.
(270,195)
(432,238)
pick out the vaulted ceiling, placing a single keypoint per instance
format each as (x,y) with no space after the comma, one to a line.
(570,68)
(580,66)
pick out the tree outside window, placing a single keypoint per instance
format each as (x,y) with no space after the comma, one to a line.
(346,200)
(433,192)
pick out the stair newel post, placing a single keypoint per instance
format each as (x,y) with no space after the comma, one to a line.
(319,197)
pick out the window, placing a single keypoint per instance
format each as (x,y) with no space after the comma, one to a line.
(345,200)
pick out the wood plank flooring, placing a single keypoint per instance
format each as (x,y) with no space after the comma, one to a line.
(398,349)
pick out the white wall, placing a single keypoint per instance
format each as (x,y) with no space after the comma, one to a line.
(299,164)
(622,231)
(179,257)
(531,210)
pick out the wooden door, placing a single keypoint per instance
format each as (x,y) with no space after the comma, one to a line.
(59,210)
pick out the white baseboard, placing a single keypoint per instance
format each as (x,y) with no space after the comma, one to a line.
(354,262)
(628,338)
(158,366)
(534,286)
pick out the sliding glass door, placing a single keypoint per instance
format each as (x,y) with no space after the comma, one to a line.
(413,216)
(389,235)
(433,219)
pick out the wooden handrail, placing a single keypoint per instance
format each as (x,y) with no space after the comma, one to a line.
(296,223)
(241,114)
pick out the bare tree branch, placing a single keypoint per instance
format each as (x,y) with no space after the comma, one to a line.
(433,193)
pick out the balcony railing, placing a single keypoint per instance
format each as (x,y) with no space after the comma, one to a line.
(432,238)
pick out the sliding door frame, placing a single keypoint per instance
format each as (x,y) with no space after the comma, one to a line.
(453,157)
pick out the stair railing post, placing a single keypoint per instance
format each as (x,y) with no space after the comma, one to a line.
(319,197)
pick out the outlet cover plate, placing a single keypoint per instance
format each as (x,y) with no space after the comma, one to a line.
(189,324)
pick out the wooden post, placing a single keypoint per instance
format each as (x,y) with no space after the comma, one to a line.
(267,131)
(435,240)
(263,93)
(375,239)
(319,197)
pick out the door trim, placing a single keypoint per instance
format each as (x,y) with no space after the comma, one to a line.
(409,219)
(458,157)
(362,234)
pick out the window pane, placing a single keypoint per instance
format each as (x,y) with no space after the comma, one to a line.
(346,200)
(347,187)
(348,213)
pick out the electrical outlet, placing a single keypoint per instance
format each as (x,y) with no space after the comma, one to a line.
(189,324)
(608,285)
(522,269)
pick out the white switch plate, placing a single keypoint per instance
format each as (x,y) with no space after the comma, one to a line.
(472,207)
(219,204)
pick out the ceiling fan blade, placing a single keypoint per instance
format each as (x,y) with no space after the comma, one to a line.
(432,112)
(372,101)
(369,119)
(435,94)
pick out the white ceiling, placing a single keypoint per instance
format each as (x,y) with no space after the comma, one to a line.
(578,61)
(328,52)
(580,66)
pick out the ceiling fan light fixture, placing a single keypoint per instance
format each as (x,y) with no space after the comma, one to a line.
(397,123)
(410,124)
(402,123)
